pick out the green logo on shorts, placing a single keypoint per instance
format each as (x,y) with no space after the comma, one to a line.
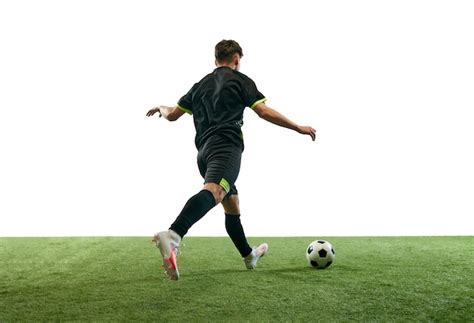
(225,185)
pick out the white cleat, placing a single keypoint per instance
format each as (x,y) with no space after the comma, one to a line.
(168,243)
(251,260)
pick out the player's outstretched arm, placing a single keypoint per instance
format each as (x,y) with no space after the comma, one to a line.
(169,113)
(275,117)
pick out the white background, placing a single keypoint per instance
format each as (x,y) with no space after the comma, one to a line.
(389,86)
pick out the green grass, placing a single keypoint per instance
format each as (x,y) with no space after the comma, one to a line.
(119,279)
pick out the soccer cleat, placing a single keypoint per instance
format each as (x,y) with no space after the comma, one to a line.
(251,260)
(168,243)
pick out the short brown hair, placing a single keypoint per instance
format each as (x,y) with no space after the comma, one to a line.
(225,50)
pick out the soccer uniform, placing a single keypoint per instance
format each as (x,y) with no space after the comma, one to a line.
(217,104)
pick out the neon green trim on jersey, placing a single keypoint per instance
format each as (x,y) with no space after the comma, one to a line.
(184,109)
(225,185)
(257,102)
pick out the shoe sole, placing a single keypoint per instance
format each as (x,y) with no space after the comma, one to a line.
(169,264)
(265,249)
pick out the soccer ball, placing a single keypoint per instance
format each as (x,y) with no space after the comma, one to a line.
(320,254)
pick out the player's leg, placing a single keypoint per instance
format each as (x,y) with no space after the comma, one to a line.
(212,193)
(233,225)
(168,241)
(217,191)
(219,165)
(215,160)
(236,232)
(196,207)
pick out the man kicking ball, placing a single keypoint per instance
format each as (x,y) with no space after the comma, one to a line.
(217,104)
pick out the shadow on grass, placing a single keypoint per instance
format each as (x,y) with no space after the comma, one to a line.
(232,272)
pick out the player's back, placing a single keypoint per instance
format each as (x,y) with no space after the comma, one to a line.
(217,103)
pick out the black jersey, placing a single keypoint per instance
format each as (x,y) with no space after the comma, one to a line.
(217,104)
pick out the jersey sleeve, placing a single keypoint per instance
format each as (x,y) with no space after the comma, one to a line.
(253,95)
(186,101)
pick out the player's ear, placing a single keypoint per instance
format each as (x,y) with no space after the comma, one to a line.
(237,61)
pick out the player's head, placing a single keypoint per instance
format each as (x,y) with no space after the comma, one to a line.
(228,53)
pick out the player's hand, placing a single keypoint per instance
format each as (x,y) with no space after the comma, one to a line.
(307,130)
(153,111)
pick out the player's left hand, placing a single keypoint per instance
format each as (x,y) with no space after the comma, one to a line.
(153,111)
(307,130)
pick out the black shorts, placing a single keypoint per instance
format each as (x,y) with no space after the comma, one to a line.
(219,162)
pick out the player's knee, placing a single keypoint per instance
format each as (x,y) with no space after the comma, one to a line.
(217,191)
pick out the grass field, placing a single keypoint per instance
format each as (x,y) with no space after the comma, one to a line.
(119,279)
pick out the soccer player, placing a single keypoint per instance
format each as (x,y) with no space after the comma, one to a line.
(217,104)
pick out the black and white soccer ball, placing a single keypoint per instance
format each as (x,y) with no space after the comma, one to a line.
(320,254)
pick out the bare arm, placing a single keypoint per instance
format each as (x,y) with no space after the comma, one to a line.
(277,118)
(169,113)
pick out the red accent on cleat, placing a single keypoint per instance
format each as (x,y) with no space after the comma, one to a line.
(172,259)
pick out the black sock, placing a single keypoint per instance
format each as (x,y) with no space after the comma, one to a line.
(236,233)
(196,207)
